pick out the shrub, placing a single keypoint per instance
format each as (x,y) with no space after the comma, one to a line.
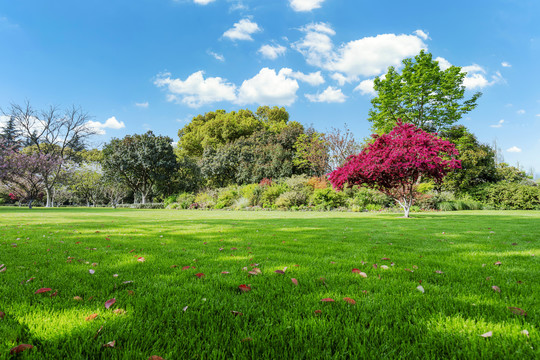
(270,194)
(205,200)
(169,201)
(226,198)
(327,198)
(297,182)
(292,198)
(317,183)
(248,190)
(265,182)
(185,200)
(512,196)
(142,206)
(363,196)
(240,203)
(424,188)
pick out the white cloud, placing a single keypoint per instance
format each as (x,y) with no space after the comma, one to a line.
(366,87)
(272,51)
(203,2)
(506,64)
(269,88)
(368,56)
(216,56)
(196,91)
(3,120)
(330,95)
(110,123)
(476,77)
(520,112)
(514,149)
(242,30)
(443,63)
(142,104)
(498,125)
(538,115)
(305,5)
(313,79)
(340,78)
(421,34)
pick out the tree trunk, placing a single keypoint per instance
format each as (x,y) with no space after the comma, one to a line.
(143,198)
(48,194)
(30,203)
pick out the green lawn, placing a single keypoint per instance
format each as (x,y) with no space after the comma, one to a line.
(391,318)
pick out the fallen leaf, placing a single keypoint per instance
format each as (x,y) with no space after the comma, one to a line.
(498,263)
(327,300)
(42,290)
(77,298)
(20,348)
(131,292)
(119,311)
(525,332)
(496,288)
(236,313)
(279,272)
(54,294)
(173,266)
(186,267)
(349,300)
(199,275)
(356,271)
(244,288)
(185,308)
(420,288)
(384,267)
(97,332)
(109,303)
(248,339)
(155,357)
(385,259)
(409,270)
(91,271)
(415,267)
(32,278)
(374,266)
(317,312)
(294,281)
(225,272)
(2,315)
(141,259)
(488,334)
(517,311)
(91,317)
(131,251)
(110,344)
(438,272)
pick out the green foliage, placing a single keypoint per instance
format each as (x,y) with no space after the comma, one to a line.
(424,188)
(327,198)
(206,199)
(271,193)
(292,198)
(509,173)
(363,196)
(422,94)
(510,196)
(226,198)
(312,155)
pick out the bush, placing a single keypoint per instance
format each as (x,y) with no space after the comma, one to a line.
(293,198)
(185,200)
(424,188)
(510,196)
(363,197)
(327,198)
(240,204)
(317,183)
(205,200)
(226,198)
(297,182)
(270,194)
(142,206)
(432,200)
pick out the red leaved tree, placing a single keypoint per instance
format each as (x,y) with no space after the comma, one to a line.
(395,162)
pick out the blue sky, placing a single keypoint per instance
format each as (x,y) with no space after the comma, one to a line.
(154,64)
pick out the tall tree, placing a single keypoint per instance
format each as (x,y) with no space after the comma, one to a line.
(341,145)
(52,132)
(140,161)
(395,162)
(10,134)
(312,153)
(422,95)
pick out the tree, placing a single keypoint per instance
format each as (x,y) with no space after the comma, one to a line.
(23,173)
(422,95)
(341,145)
(87,182)
(140,161)
(312,153)
(395,162)
(10,134)
(54,133)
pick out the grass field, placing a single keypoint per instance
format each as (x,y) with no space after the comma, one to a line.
(169,311)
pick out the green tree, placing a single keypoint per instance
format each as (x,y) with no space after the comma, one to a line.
(422,94)
(10,134)
(140,161)
(312,153)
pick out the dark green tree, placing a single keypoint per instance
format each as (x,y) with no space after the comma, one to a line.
(140,162)
(422,94)
(10,134)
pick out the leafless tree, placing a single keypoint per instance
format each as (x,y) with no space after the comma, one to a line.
(341,144)
(53,132)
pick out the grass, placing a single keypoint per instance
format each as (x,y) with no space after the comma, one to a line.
(391,318)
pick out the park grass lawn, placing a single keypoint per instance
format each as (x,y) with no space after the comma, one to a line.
(172,313)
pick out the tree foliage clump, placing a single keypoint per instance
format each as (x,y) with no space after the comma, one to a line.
(395,162)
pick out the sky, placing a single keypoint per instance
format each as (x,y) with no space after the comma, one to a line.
(143,65)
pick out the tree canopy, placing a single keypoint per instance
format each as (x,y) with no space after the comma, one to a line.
(422,94)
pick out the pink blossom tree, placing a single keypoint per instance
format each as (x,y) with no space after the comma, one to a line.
(395,162)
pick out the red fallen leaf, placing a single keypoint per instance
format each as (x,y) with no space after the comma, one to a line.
(42,290)
(327,300)
(375,266)
(141,259)
(32,278)
(517,311)
(97,231)
(498,263)
(294,281)
(244,288)
(131,251)
(78,242)
(107,239)
(109,303)
(496,288)
(2,315)
(92,317)
(3,269)
(488,334)
(199,275)
(20,348)
(186,267)
(318,312)
(54,294)
(296,265)
(438,272)
(356,271)
(279,272)
(110,344)
(233,248)
(236,313)
(349,300)
(155,357)
(225,272)
(385,259)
